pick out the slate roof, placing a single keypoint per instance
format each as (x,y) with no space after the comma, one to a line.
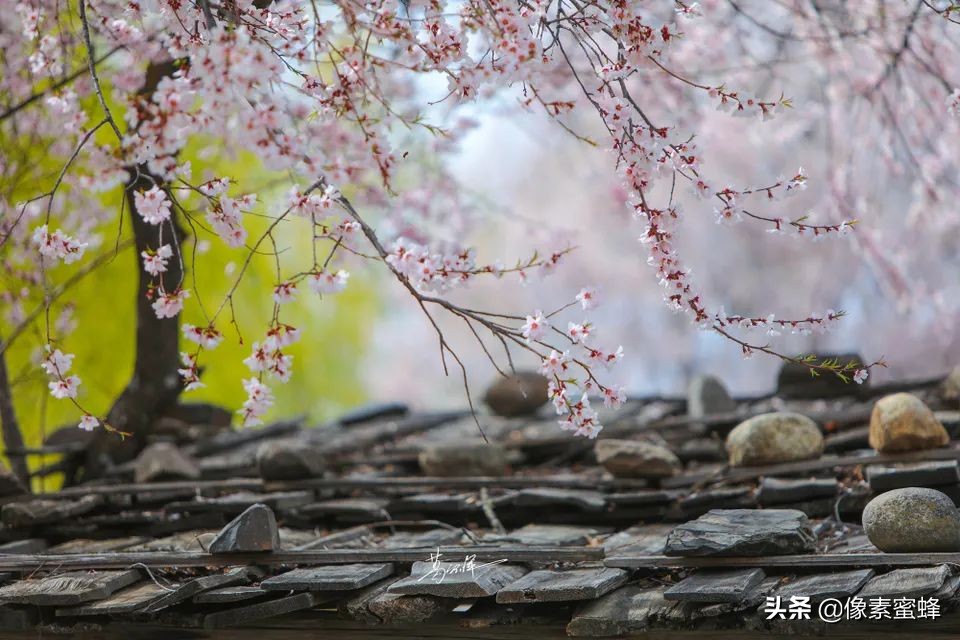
(561,548)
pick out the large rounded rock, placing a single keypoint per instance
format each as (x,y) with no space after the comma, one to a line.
(912,520)
(636,459)
(473,458)
(164,461)
(706,395)
(950,388)
(902,422)
(517,395)
(774,437)
(289,460)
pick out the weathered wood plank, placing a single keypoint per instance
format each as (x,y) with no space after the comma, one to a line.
(805,466)
(626,610)
(341,577)
(559,586)
(268,609)
(97,546)
(716,586)
(67,589)
(386,483)
(457,580)
(229,595)
(513,553)
(234,577)
(128,600)
(802,560)
(42,511)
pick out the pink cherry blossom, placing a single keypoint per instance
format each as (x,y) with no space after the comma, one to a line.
(57,363)
(326,282)
(555,364)
(153,205)
(168,305)
(64,387)
(535,327)
(587,298)
(579,332)
(88,422)
(206,337)
(284,292)
(189,373)
(58,245)
(258,402)
(155,262)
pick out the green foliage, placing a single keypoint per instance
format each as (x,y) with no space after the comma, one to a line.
(334,329)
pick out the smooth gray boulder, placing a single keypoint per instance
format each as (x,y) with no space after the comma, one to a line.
(902,422)
(164,461)
(289,460)
(636,459)
(914,519)
(706,395)
(470,458)
(771,438)
(518,395)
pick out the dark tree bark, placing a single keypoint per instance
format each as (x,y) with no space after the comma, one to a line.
(12,438)
(155,385)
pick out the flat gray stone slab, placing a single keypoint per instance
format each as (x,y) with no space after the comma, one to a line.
(84,546)
(436,503)
(907,583)
(645,497)
(549,534)
(827,585)
(783,491)
(226,595)
(642,540)
(250,613)
(626,610)
(237,502)
(127,600)
(340,577)
(456,580)
(925,474)
(550,497)
(716,586)
(187,590)
(187,541)
(67,589)
(688,611)
(366,508)
(27,545)
(357,605)
(391,608)
(558,586)
(743,532)
(41,511)
(430,539)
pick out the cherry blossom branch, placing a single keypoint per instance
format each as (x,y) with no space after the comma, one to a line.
(92,67)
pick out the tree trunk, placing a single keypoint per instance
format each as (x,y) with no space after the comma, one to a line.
(155,384)
(12,438)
